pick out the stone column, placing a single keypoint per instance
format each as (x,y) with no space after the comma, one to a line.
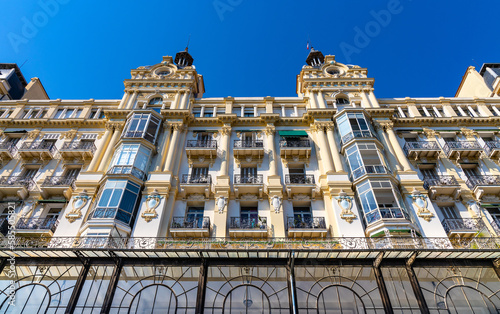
(175,103)
(321,99)
(160,164)
(274,187)
(273,168)
(324,149)
(184,100)
(337,161)
(131,100)
(123,101)
(98,154)
(173,147)
(312,99)
(392,154)
(224,146)
(110,148)
(397,148)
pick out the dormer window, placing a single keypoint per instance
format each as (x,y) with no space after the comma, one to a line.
(156,101)
(342,101)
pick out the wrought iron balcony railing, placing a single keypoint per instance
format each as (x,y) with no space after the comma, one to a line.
(37,224)
(490,146)
(248,223)
(295,143)
(196,179)
(377,169)
(10,147)
(49,146)
(248,179)
(409,146)
(248,144)
(462,224)
(202,144)
(299,179)
(392,213)
(461,145)
(440,181)
(59,181)
(190,223)
(85,146)
(355,134)
(306,223)
(27,182)
(473,181)
(138,173)
(139,134)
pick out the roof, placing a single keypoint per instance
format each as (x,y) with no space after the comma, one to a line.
(8,66)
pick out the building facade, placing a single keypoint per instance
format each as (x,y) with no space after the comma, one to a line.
(332,201)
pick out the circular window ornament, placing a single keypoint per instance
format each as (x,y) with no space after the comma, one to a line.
(162,72)
(333,71)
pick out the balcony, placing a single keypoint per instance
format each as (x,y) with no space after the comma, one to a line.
(197,150)
(16,185)
(492,149)
(248,227)
(183,227)
(457,150)
(300,184)
(442,185)
(39,226)
(83,150)
(42,150)
(462,226)
(249,184)
(356,134)
(484,184)
(195,184)
(297,150)
(417,150)
(248,151)
(313,227)
(127,170)
(7,151)
(373,169)
(58,185)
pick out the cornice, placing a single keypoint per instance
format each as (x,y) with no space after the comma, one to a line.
(50,123)
(321,113)
(448,121)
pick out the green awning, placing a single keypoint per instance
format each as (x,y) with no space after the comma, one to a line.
(292,133)
(14,132)
(490,205)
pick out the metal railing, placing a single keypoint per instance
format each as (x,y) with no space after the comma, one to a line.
(10,147)
(27,182)
(290,143)
(96,244)
(409,146)
(392,213)
(299,179)
(59,181)
(50,146)
(461,145)
(248,179)
(37,224)
(139,134)
(86,146)
(354,134)
(473,181)
(248,223)
(190,223)
(490,146)
(138,173)
(378,169)
(201,144)
(248,144)
(440,181)
(462,224)
(306,223)
(196,179)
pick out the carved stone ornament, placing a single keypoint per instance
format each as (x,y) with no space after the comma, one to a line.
(420,201)
(276,202)
(474,207)
(33,134)
(78,203)
(221,204)
(152,202)
(345,203)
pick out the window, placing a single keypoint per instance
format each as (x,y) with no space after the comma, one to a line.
(342,101)
(117,201)
(194,217)
(131,155)
(364,158)
(33,113)
(72,173)
(301,214)
(208,113)
(248,112)
(403,112)
(96,114)
(248,175)
(197,112)
(68,113)
(30,173)
(143,126)
(156,101)
(47,144)
(352,125)
(86,144)
(249,216)
(470,171)
(199,175)
(449,212)
(429,173)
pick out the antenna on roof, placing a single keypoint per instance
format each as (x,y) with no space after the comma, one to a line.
(23,63)
(476,63)
(189,39)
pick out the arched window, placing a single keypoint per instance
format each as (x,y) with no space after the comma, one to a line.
(156,101)
(338,298)
(342,101)
(246,298)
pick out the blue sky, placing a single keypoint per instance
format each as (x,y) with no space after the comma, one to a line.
(85,49)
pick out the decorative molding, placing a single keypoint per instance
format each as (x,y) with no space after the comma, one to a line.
(78,203)
(420,201)
(345,202)
(221,204)
(276,202)
(152,202)
(33,134)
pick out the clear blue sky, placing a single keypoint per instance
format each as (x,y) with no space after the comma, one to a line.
(85,49)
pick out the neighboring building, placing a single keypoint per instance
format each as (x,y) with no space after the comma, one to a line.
(485,83)
(13,86)
(330,201)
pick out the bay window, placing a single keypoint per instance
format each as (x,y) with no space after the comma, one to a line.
(353,125)
(142,125)
(118,201)
(364,158)
(131,158)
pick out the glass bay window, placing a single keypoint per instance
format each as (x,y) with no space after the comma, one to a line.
(352,125)
(118,201)
(364,158)
(131,158)
(142,125)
